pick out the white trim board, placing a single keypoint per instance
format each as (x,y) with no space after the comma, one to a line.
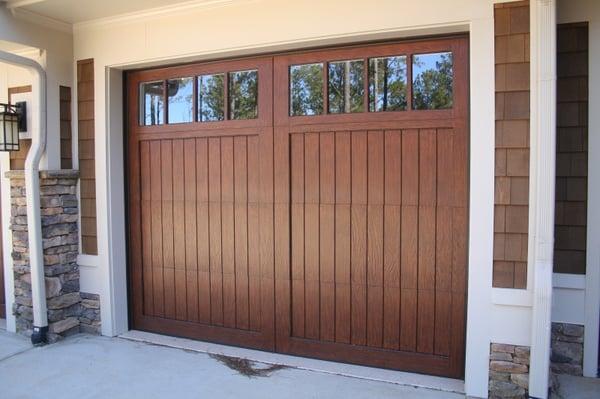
(570,11)
(323,366)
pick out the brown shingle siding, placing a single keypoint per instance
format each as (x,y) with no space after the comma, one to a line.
(87,163)
(66,146)
(511,213)
(570,229)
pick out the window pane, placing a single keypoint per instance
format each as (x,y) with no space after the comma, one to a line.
(152,103)
(346,86)
(432,81)
(180,100)
(243,95)
(306,89)
(387,84)
(211,100)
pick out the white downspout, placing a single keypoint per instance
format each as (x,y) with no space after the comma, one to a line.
(32,187)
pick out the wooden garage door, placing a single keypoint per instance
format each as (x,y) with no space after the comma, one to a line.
(201,207)
(331,224)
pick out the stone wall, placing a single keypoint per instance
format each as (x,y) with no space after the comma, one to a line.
(67,310)
(567,349)
(509,371)
(89,318)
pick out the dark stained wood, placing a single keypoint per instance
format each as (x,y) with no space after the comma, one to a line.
(200,229)
(398,224)
(339,236)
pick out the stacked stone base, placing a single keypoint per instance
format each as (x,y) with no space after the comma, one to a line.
(567,349)
(509,371)
(67,310)
(89,318)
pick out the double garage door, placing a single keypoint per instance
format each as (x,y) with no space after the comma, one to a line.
(307,203)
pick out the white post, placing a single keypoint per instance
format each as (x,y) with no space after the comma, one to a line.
(543,132)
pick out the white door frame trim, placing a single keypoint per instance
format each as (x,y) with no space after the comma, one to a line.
(543,135)
(592,268)
(110,174)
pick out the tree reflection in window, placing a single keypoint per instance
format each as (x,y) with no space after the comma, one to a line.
(180,100)
(432,81)
(387,84)
(152,104)
(211,98)
(243,95)
(346,86)
(306,89)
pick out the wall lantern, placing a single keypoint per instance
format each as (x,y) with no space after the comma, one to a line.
(13,119)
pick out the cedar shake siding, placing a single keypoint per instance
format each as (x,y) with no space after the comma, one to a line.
(511,211)
(85,115)
(571,149)
(66,158)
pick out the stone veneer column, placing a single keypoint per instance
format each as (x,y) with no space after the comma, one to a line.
(509,371)
(59,210)
(567,349)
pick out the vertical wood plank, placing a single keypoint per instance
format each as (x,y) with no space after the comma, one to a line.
(392,237)
(168,227)
(191,250)
(146,222)
(311,238)
(327,236)
(254,233)
(297,272)
(359,238)
(343,199)
(240,156)
(202,221)
(375,179)
(228,231)
(214,215)
(409,241)
(444,230)
(157,245)
(179,230)
(427,228)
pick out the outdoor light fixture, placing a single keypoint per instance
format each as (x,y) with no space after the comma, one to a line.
(13,119)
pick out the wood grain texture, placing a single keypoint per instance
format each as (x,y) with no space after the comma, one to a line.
(339,236)
(87,163)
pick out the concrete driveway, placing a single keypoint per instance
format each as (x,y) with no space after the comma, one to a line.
(87,366)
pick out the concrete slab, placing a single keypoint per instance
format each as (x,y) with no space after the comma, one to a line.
(349,370)
(12,344)
(98,367)
(577,387)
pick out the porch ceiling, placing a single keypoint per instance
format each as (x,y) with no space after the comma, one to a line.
(75,11)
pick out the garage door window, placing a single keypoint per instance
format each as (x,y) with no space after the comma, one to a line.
(387,84)
(211,98)
(432,81)
(346,88)
(306,89)
(181,100)
(243,95)
(152,109)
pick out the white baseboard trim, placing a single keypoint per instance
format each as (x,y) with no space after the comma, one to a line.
(323,366)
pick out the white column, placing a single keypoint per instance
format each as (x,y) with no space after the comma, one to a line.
(543,134)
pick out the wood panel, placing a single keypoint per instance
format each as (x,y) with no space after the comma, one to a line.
(199,221)
(378,230)
(87,162)
(66,146)
(341,237)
